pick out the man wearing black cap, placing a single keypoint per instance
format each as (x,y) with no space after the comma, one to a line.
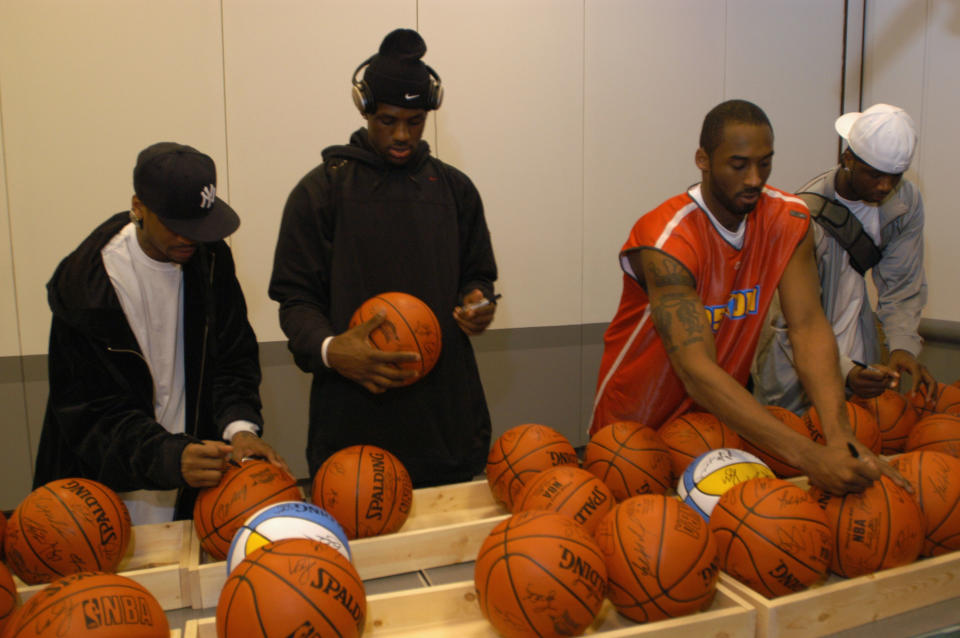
(380,214)
(153,365)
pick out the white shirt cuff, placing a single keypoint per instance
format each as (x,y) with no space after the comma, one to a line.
(323,350)
(240,426)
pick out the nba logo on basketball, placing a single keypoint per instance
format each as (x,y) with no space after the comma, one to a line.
(107,611)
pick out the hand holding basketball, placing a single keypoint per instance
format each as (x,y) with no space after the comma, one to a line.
(352,355)
(473,321)
(202,464)
(833,469)
(247,445)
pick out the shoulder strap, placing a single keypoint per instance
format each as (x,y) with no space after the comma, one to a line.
(837,220)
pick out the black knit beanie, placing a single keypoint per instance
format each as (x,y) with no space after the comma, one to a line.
(396,75)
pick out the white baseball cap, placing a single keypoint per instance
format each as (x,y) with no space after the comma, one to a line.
(883,136)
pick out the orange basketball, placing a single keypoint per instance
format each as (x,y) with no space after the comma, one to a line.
(366,488)
(895,418)
(771,536)
(293,587)
(691,434)
(520,453)
(878,528)
(937,433)
(862,422)
(780,467)
(539,574)
(243,489)
(936,482)
(570,491)
(8,596)
(946,400)
(66,526)
(90,605)
(661,558)
(409,326)
(630,459)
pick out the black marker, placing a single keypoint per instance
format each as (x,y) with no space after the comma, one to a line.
(853,450)
(483,302)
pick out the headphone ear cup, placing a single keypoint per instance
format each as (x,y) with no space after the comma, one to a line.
(362,98)
(436,94)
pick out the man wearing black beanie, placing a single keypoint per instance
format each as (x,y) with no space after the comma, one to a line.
(381,214)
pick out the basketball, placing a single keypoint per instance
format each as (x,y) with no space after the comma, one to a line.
(895,418)
(780,467)
(539,574)
(630,459)
(289,519)
(691,434)
(8,595)
(293,587)
(879,528)
(660,556)
(936,482)
(89,604)
(243,489)
(771,536)
(64,527)
(712,473)
(570,491)
(409,326)
(862,422)
(366,489)
(520,453)
(945,399)
(937,433)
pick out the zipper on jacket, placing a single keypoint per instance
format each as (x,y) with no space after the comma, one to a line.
(203,346)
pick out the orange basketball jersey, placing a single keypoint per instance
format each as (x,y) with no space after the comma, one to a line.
(636,381)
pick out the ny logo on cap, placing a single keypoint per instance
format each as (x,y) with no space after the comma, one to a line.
(207,195)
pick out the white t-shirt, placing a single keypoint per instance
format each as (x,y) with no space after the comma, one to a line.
(151,294)
(851,286)
(733,237)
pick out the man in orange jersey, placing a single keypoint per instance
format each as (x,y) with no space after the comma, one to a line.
(699,274)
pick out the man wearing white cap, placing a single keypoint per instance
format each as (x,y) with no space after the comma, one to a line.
(869,217)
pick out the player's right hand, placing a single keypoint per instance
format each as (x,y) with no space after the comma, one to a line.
(202,464)
(354,356)
(873,381)
(832,468)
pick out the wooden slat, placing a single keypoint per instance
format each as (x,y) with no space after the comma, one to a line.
(841,604)
(157,558)
(452,610)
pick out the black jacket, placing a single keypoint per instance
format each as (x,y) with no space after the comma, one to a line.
(100,421)
(356,226)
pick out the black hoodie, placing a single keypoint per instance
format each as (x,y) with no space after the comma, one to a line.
(100,421)
(354,227)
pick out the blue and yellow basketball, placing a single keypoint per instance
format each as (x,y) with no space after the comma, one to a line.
(712,473)
(289,519)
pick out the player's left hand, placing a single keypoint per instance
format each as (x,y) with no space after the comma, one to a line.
(902,361)
(476,320)
(247,445)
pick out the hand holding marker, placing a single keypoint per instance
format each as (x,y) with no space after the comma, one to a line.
(483,302)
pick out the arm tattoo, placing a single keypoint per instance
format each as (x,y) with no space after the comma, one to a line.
(688,328)
(670,273)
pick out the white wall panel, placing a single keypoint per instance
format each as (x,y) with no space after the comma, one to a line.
(512,120)
(912,48)
(786,57)
(653,70)
(9,331)
(85,86)
(288,67)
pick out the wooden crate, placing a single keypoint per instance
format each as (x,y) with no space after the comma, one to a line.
(841,604)
(452,610)
(157,558)
(447,525)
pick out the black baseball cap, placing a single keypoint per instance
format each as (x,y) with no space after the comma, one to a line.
(179,184)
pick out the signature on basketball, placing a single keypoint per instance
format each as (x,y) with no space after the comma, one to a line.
(222,511)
